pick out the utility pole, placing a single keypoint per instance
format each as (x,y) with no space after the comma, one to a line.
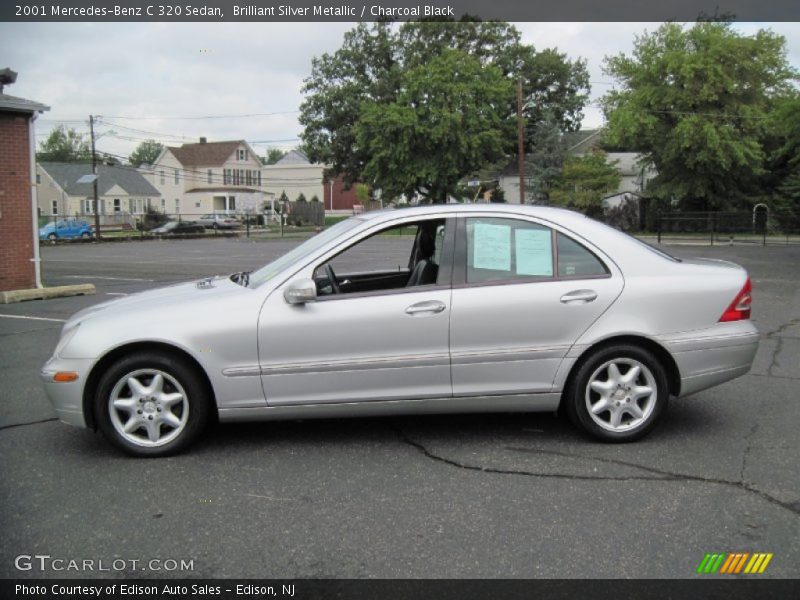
(94,183)
(520,144)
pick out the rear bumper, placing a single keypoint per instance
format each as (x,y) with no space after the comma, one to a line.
(713,356)
(66,398)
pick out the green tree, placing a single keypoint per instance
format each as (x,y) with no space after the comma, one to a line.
(443,124)
(301,197)
(362,193)
(283,197)
(64,145)
(693,101)
(584,182)
(273,156)
(544,161)
(375,62)
(782,146)
(146,153)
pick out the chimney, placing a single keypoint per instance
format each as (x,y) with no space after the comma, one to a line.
(7,76)
(203,140)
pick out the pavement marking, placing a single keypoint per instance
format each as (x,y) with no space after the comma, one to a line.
(108,278)
(116,294)
(33,318)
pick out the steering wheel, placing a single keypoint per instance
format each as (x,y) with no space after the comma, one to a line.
(332,279)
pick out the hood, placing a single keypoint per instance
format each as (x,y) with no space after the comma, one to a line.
(173,296)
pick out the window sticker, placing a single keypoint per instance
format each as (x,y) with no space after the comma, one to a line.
(491,247)
(534,252)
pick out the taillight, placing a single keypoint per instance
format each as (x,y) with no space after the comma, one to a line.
(740,307)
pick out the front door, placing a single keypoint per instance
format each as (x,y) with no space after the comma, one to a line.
(522,295)
(379,329)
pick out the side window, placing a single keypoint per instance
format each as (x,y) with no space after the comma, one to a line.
(574,260)
(506,249)
(393,258)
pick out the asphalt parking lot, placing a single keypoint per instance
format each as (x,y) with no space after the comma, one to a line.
(516,496)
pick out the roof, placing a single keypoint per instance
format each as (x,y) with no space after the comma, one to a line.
(205,154)
(294,157)
(581,141)
(232,189)
(128,178)
(15,104)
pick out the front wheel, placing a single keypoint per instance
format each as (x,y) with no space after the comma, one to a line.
(152,404)
(618,394)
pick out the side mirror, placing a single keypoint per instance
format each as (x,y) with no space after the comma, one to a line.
(300,291)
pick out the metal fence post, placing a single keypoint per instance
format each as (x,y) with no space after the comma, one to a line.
(713,223)
(658,225)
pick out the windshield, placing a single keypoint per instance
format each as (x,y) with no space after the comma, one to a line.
(269,270)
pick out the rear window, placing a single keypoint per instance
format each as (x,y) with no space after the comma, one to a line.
(574,260)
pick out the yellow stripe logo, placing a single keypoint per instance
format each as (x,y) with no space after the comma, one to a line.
(734,563)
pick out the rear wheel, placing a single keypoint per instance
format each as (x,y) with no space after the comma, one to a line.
(618,394)
(86,235)
(152,404)
(52,237)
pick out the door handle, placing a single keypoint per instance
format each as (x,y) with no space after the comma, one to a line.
(582,296)
(430,306)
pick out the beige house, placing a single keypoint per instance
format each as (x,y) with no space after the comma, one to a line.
(208,177)
(295,175)
(123,193)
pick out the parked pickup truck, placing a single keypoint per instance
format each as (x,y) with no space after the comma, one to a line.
(66,229)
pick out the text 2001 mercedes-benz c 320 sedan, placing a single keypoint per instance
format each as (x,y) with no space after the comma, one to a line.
(433,309)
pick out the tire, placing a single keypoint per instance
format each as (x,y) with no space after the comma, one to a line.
(634,401)
(164,416)
(86,235)
(52,237)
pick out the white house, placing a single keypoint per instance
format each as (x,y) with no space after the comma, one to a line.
(205,177)
(293,175)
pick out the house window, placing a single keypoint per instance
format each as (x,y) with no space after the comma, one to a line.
(210,176)
(242,154)
(54,208)
(38,178)
(131,206)
(226,177)
(235,177)
(197,205)
(177,205)
(163,204)
(88,206)
(117,205)
(259,178)
(231,203)
(248,177)
(177,176)
(162,174)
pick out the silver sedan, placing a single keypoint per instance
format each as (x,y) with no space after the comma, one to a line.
(437,309)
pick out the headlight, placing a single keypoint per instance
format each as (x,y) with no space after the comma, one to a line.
(66,336)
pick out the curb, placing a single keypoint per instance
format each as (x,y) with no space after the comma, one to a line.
(83,289)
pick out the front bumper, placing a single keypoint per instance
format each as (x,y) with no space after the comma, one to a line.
(714,356)
(66,398)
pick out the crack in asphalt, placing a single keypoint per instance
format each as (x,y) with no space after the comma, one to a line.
(748,439)
(28,331)
(774,362)
(12,425)
(661,475)
(781,328)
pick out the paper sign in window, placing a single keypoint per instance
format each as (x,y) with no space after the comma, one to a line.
(534,252)
(491,247)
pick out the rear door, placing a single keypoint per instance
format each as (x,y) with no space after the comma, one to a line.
(523,293)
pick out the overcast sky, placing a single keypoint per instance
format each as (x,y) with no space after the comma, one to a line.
(142,76)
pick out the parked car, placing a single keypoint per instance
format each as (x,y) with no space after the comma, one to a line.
(484,308)
(178,228)
(65,229)
(214,221)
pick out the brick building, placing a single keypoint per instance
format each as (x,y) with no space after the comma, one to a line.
(19,243)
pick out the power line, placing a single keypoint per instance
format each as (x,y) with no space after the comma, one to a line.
(240,116)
